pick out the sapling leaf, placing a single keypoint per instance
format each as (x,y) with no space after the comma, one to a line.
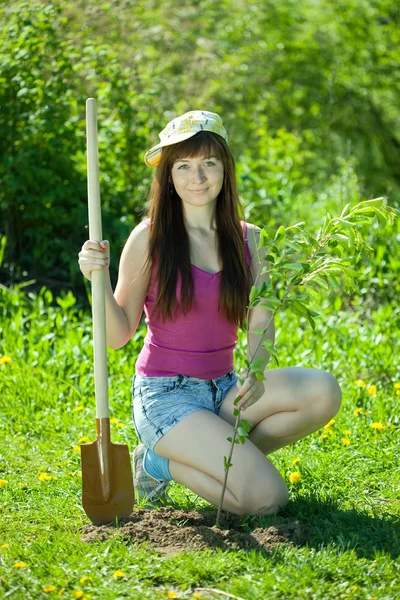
(227,464)
(242,432)
(253,293)
(293,266)
(259,375)
(254,365)
(246,425)
(236,412)
(280,234)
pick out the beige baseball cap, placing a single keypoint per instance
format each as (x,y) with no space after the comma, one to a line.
(182,128)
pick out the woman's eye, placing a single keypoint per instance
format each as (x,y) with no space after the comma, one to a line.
(209,162)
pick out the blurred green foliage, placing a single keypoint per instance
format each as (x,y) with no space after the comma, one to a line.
(308,93)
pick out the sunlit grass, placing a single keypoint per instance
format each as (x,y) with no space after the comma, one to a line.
(343,479)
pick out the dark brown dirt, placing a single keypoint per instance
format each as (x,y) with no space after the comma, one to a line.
(170,531)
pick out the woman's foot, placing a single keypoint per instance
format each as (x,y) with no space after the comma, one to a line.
(147,487)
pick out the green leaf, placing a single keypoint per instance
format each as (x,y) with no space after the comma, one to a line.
(280,234)
(246,425)
(227,464)
(298,307)
(253,293)
(293,266)
(259,375)
(257,363)
(241,432)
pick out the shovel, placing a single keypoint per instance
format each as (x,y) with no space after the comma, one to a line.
(107,482)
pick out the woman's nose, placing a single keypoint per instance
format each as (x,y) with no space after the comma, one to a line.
(198,175)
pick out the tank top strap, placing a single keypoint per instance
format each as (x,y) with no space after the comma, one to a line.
(246,242)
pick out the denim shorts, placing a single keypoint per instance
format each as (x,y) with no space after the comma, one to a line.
(159,403)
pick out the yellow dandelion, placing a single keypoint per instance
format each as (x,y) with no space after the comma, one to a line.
(3,482)
(78,594)
(85,579)
(28,539)
(120,425)
(118,574)
(172,595)
(76,448)
(331,422)
(83,439)
(196,596)
(360,383)
(49,588)
(347,432)
(357,411)
(20,564)
(323,436)
(77,408)
(79,473)
(296,460)
(345,441)
(60,593)
(21,484)
(372,390)
(378,426)
(397,392)
(114,420)
(5,546)
(5,359)
(295,477)
(397,386)
(46,477)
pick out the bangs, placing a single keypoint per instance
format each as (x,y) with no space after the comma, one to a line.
(204,143)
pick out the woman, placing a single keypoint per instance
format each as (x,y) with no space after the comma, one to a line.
(191,265)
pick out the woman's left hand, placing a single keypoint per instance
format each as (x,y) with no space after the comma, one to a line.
(251,390)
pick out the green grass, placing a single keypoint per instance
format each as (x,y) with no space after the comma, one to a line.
(348,495)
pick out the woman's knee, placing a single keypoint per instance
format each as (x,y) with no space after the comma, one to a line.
(265,499)
(328,396)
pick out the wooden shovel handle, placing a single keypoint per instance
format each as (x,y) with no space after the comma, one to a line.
(98,287)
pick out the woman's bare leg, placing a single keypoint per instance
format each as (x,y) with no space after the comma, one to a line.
(196,447)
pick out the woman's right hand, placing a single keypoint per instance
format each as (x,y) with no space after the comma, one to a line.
(94,256)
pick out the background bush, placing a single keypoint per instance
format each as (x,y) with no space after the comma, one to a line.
(308,92)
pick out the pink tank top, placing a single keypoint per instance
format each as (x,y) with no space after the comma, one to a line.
(200,344)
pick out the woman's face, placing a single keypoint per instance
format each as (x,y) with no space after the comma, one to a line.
(198,181)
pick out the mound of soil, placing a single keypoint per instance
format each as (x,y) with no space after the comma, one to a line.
(170,531)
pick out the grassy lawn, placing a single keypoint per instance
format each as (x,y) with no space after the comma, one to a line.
(346,492)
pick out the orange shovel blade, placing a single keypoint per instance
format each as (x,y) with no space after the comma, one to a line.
(120,497)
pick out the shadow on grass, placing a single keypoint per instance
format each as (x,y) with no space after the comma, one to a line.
(326,523)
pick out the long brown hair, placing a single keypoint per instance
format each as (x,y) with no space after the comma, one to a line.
(169,244)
